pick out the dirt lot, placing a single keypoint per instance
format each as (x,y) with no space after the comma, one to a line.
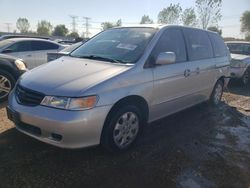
(199,147)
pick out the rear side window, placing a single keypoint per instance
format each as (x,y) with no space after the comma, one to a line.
(22,46)
(43,45)
(171,41)
(218,44)
(198,44)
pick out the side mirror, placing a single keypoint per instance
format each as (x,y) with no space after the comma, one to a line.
(7,51)
(165,58)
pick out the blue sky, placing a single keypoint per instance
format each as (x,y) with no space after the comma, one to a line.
(130,11)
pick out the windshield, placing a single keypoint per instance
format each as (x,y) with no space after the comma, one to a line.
(239,48)
(125,45)
(3,43)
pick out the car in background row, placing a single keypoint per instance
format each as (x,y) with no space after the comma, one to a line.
(10,70)
(64,52)
(4,37)
(106,90)
(32,50)
(240,64)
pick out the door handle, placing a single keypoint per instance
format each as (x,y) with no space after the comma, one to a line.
(29,55)
(187,73)
(197,70)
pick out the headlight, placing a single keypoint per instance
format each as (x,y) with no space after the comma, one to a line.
(237,63)
(20,65)
(66,103)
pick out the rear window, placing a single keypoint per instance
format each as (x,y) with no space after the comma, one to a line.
(43,45)
(198,44)
(218,44)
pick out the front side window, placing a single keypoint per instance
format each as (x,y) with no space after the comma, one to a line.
(171,41)
(198,44)
(124,45)
(22,46)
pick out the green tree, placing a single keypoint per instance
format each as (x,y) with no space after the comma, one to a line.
(73,35)
(209,12)
(108,25)
(188,17)
(60,30)
(245,24)
(44,28)
(170,15)
(145,19)
(23,25)
(215,29)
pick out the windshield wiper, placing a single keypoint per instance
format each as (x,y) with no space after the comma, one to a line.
(95,57)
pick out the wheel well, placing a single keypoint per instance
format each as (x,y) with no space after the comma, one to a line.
(136,100)
(222,79)
(9,70)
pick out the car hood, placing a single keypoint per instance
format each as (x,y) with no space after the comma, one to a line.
(69,76)
(240,57)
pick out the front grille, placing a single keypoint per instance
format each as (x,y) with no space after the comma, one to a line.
(28,97)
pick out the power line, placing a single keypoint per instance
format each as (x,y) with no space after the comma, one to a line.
(87,25)
(73,23)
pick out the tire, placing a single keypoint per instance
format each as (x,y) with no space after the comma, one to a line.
(216,95)
(246,78)
(118,125)
(7,83)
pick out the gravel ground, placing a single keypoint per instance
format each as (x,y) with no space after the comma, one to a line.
(199,147)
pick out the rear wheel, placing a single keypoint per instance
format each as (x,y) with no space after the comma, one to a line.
(7,82)
(216,95)
(121,129)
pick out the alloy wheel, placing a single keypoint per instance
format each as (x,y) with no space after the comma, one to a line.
(5,86)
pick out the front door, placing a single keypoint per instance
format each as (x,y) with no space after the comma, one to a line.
(172,85)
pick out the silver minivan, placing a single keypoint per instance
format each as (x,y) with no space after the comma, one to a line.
(107,89)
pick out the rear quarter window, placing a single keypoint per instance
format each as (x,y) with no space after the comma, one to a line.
(198,44)
(219,47)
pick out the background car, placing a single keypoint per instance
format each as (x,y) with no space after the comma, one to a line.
(240,64)
(32,50)
(4,37)
(55,55)
(10,70)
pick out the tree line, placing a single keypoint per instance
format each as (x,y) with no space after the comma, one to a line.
(205,14)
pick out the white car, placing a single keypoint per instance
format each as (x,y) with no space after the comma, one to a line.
(240,64)
(32,50)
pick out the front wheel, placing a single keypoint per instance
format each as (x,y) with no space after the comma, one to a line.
(121,129)
(7,82)
(216,95)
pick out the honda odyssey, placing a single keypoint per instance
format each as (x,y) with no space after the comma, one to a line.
(106,90)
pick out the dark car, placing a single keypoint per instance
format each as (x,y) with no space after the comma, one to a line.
(10,70)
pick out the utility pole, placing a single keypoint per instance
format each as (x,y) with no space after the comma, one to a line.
(8,26)
(73,23)
(87,25)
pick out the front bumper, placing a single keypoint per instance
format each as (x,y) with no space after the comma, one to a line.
(237,72)
(62,128)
